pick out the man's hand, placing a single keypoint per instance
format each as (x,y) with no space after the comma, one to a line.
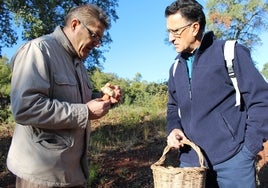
(98,108)
(174,138)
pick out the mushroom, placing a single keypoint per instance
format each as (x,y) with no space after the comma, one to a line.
(107,92)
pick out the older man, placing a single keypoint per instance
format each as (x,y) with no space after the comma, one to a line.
(202,100)
(52,103)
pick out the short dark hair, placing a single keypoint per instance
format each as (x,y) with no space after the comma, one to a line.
(89,14)
(191,10)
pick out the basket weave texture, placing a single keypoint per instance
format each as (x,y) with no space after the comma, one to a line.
(176,177)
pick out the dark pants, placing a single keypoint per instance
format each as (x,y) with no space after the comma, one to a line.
(237,172)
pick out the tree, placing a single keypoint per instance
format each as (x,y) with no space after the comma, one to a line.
(99,79)
(41,17)
(8,36)
(138,77)
(242,20)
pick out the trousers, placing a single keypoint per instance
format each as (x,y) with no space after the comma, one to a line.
(237,172)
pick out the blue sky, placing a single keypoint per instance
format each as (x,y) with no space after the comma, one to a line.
(139,45)
(138,42)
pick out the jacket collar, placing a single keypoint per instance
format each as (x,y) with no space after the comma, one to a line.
(206,41)
(64,41)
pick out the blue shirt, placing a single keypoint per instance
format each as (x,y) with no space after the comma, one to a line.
(189,62)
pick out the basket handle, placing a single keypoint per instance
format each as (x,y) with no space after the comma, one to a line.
(187,142)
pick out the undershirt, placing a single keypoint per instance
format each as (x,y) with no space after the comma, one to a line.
(189,57)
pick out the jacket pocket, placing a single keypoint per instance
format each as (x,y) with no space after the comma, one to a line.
(229,127)
(52,141)
(66,88)
(234,121)
(63,80)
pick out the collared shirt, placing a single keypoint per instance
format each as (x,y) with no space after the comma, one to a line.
(189,57)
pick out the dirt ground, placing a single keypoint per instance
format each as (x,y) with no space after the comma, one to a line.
(116,169)
(128,168)
(6,178)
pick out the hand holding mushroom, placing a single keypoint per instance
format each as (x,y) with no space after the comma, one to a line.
(111,92)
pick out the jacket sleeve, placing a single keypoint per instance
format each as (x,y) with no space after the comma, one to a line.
(30,89)
(173,118)
(254,91)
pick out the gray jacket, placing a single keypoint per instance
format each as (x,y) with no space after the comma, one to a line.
(49,89)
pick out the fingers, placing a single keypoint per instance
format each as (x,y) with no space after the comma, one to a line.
(98,108)
(174,138)
(173,142)
(105,97)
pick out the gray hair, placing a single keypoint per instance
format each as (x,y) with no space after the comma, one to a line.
(89,14)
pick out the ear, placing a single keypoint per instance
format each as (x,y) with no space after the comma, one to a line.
(74,23)
(196,28)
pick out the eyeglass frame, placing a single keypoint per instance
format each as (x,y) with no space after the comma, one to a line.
(175,33)
(95,36)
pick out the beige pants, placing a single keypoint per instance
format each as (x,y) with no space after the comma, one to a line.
(21,183)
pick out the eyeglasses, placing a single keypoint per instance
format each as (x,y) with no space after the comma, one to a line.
(96,37)
(177,32)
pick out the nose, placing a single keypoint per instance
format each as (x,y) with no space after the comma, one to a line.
(171,38)
(96,44)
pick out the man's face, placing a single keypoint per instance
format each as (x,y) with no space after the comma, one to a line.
(87,37)
(180,32)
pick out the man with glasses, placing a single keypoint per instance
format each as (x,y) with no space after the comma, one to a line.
(201,105)
(52,103)
(94,36)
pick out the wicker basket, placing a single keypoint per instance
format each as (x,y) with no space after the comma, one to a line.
(176,177)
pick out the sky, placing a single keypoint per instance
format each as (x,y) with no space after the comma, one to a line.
(139,42)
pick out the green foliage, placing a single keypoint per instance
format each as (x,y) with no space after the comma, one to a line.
(264,71)
(38,18)
(8,36)
(99,79)
(135,92)
(93,173)
(146,94)
(5,77)
(5,115)
(236,19)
